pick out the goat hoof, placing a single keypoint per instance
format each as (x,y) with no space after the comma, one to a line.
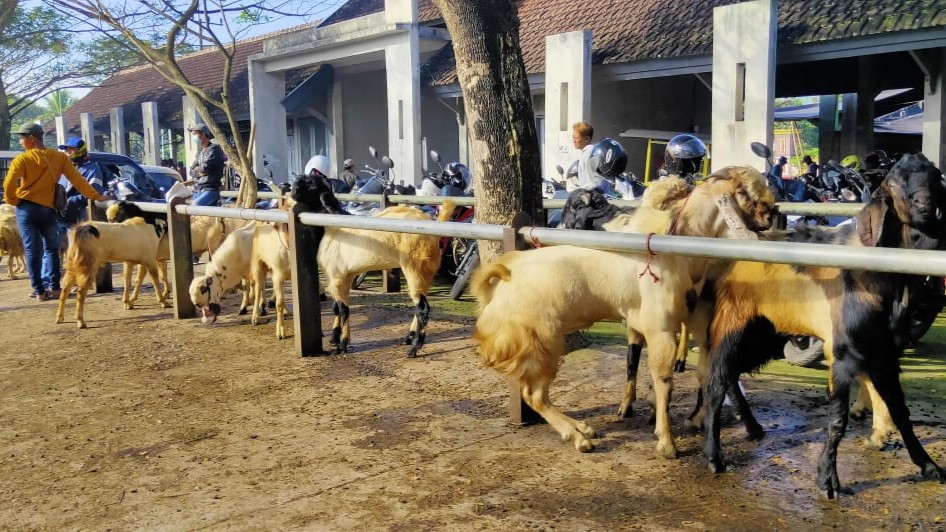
(81,325)
(166,304)
(932,471)
(667,450)
(323,297)
(585,430)
(583,445)
(409,339)
(243,311)
(755,433)
(717,466)
(693,425)
(680,366)
(859,414)
(129,306)
(625,412)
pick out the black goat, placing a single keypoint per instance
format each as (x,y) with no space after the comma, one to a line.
(860,315)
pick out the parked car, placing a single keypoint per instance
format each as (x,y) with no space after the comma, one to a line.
(112,166)
(162,176)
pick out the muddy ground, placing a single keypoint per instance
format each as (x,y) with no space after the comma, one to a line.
(146,422)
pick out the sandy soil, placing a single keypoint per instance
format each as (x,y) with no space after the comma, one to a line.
(147,422)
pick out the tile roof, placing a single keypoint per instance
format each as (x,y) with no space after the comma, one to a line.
(634,30)
(142,84)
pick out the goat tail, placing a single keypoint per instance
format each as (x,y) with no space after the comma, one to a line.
(485,279)
(81,257)
(446,210)
(518,348)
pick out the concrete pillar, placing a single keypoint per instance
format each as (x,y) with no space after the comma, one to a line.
(268,116)
(151,133)
(60,130)
(116,121)
(934,110)
(336,128)
(567,95)
(189,117)
(400,11)
(743,80)
(857,113)
(402,65)
(828,137)
(87,126)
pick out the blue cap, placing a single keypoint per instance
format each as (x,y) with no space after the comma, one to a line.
(73,142)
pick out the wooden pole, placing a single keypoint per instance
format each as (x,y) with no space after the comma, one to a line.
(519,412)
(307,311)
(182,261)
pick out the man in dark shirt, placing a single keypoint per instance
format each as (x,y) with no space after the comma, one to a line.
(207,171)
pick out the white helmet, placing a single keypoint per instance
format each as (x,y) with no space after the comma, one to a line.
(320,163)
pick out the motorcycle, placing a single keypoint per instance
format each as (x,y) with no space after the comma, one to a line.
(377,182)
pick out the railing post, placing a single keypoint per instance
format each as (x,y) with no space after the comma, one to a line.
(182,260)
(390,279)
(307,311)
(519,412)
(103,277)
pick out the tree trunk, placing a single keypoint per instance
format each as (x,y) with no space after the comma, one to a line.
(6,121)
(506,164)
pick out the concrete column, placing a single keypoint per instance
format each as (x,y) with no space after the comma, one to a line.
(743,80)
(151,133)
(189,117)
(116,121)
(336,128)
(402,64)
(267,90)
(60,130)
(87,125)
(828,138)
(857,113)
(934,110)
(567,94)
(398,11)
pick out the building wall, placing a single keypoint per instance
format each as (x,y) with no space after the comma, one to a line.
(439,126)
(668,104)
(365,109)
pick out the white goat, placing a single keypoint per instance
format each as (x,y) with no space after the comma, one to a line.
(11,242)
(529,300)
(228,267)
(95,243)
(270,254)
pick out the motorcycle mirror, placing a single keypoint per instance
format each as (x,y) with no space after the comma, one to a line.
(761,150)
(561,171)
(373,152)
(434,156)
(387,162)
(848,195)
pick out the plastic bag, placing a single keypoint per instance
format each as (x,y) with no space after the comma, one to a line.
(178,190)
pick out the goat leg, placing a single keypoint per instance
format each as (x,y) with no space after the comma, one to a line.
(626,409)
(421,317)
(344,328)
(887,383)
(336,325)
(828,482)
(680,363)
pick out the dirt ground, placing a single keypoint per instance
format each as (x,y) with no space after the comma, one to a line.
(146,422)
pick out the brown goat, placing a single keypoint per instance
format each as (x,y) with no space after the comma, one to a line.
(529,300)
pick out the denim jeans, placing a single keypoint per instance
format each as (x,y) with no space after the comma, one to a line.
(39,227)
(207,197)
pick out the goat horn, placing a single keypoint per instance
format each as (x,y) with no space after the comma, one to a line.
(726,204)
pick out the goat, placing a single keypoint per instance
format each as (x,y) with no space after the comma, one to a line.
(125,210)
(227,268)
(344,253)
(95,243)
(529,300)
(270,253)
(11,242)
(860,315)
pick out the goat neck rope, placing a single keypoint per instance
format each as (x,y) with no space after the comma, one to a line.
(671,229)
(282,239)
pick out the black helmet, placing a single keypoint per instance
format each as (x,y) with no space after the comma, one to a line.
(684,155)
(457,175)
(608,158)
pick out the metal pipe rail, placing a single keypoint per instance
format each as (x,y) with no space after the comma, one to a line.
(803,209)
(421,227)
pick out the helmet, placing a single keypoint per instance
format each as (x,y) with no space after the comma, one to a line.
(348,164)
(608,158)
(853,162)
(457,174)
(684,155)
(77,144)
(320,163)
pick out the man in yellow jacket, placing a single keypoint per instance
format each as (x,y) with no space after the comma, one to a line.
(30,186)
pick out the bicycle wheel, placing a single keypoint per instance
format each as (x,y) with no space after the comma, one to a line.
(464,273)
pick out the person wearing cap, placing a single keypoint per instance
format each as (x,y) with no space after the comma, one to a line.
(775,177)
(76,203)
(207,170)
(30,185)
(347,175)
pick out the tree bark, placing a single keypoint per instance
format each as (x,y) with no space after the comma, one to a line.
(500,122)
